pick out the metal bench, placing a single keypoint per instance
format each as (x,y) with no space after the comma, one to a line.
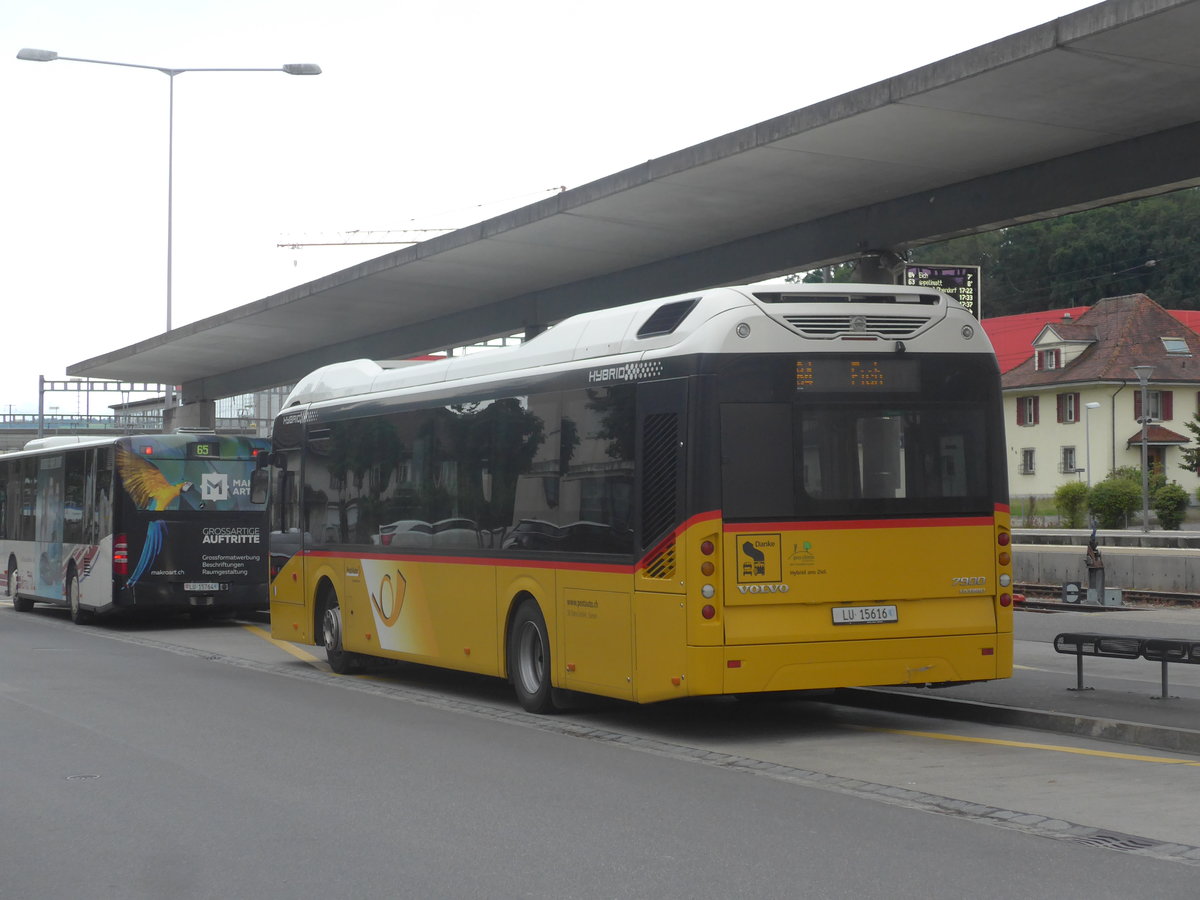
(1117,646)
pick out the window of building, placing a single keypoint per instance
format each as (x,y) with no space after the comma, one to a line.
(1049,359)
(1068,408)
(1027,410)
(1160,405)
(1027,461)
(1176,346)
(1067,466)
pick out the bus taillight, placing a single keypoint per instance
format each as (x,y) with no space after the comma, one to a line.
(120,555)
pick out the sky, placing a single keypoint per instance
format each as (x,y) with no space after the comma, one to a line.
(428,115)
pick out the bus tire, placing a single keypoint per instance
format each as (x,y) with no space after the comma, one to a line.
(79,615)
(342,662)
(20,604)
(529,659)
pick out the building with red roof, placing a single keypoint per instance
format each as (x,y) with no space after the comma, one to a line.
(1073,402)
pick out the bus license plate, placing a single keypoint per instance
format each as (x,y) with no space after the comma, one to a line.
(864,615)
(201,587)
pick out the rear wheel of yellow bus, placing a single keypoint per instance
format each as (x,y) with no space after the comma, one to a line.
(529,659)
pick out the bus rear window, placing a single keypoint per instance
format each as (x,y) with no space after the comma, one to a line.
(861,460)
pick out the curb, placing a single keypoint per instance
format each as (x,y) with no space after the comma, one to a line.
(1159,737)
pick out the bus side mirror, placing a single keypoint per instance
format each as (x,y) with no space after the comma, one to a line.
(278,459)
(260,480)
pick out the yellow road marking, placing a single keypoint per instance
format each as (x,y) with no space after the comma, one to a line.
(282,645)
(1027,745)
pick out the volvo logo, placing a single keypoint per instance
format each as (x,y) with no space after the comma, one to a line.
(763,588)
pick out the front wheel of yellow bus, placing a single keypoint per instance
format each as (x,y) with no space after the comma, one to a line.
(529,659)
(342,662)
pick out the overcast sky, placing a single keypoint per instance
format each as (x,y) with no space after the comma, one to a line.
(429,115)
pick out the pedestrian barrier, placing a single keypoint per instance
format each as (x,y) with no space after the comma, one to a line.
(1116,646)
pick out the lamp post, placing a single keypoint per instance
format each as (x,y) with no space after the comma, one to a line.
(290,69)
(1087,426)
(1143,374)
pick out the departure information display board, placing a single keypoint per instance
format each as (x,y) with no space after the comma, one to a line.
(960,282)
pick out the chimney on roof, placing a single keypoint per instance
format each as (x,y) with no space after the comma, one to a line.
(1066,317)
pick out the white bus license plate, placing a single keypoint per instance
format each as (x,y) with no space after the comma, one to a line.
(864,615)
(201,587)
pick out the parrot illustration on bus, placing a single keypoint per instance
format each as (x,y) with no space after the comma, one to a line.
(146,484)
(150,490)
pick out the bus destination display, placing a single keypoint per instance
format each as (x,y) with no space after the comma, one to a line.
(842,374)
(204,450)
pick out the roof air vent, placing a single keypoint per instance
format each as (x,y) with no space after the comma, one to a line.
(667,318)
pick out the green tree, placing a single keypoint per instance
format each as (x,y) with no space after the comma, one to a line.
(1070,500)
(1170,503)
(1191,455)
(837,274)
(1113,500)
(1141,246)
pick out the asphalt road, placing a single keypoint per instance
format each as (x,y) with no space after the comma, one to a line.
(162,760)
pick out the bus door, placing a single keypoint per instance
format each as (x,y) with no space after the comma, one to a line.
(659,614)
(287,537)
(49,514)
(287,589)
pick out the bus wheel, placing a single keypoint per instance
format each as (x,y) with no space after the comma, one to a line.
(341,661)
(79,615)
(529,659)
(21,604)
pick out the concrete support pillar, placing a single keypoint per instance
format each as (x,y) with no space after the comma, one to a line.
(202,414)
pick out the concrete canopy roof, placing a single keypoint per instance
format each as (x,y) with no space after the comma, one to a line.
(1098,106)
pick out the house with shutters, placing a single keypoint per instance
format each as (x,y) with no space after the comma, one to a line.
(1074,407)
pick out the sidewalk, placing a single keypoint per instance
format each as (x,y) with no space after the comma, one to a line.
(1122,701)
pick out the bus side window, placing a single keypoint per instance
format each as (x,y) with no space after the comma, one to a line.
(102,513)
(4,468)
(27,529)
(74,477)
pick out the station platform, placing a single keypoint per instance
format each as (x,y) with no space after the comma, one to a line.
(1122,699)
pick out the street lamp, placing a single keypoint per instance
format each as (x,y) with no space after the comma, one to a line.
(1143,374)
(50,55)
(1087,425)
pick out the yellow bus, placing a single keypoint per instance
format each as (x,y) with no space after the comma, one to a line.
(773,487)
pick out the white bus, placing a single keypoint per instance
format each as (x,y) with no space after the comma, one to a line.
(156,522)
